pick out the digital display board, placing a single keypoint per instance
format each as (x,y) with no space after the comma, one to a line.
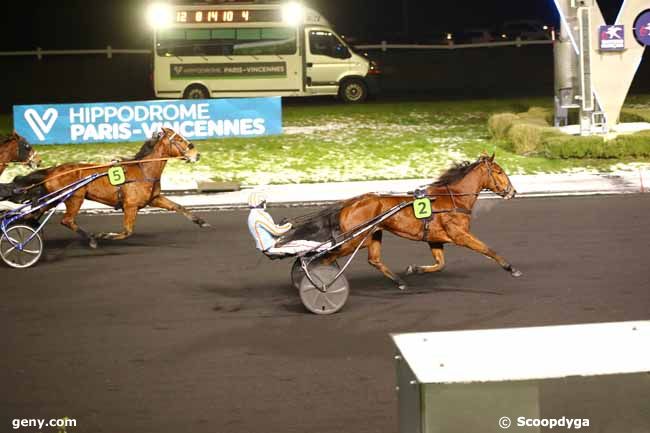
(211,15)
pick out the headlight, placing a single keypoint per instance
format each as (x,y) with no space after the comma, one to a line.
(159,15)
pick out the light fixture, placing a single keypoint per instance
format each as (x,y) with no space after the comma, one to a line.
(159,15)
(293,14)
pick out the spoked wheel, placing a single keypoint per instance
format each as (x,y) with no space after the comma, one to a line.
(297,273)
(330,301)
(21,247)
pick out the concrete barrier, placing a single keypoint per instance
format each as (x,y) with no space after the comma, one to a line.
(588,377)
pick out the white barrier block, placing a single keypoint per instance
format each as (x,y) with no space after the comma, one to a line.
(466,381)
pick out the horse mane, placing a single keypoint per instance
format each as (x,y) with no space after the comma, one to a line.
(6,139)
(456,172)
(147,148)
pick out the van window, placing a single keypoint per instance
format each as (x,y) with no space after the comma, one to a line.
(325,43)
(226,42)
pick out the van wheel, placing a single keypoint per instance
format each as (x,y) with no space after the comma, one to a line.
(353,91)
(196,91)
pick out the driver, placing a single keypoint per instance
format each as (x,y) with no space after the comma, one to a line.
(266,233)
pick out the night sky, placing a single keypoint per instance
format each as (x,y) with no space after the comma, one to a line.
(78,24)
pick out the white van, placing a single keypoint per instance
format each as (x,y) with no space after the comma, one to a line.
(254,49)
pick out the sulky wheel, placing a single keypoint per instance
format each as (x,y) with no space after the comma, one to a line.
(21,246)
(297,273)
(328,302)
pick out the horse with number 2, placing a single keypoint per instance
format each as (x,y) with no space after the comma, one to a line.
(437,214)
(127,184)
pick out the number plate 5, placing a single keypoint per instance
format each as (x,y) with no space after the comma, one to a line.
(116,176)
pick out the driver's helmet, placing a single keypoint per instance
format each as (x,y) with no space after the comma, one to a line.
(257,200)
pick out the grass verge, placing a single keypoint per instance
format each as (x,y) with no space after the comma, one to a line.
(325,142)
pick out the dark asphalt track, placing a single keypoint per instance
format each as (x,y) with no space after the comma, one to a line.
(180,329)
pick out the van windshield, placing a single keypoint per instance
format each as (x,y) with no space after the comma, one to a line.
(326,43)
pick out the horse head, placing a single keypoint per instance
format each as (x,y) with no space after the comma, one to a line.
(178,146)
(19,150)
(495,178)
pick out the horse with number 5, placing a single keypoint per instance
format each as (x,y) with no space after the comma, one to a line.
(134,185)
(450,200)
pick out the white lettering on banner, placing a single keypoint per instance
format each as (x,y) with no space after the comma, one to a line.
(122,117)
(76,116)
(139,113)
(113,122)
(96,114)
(76,131)
(190,129)
(156,113)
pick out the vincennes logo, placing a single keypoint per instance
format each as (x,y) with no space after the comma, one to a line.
(178,70)
(41,125)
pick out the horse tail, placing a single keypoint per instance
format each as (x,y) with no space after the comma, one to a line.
(320,226)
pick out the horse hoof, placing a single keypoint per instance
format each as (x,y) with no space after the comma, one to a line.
(410,270)
(402,286)
(92,242)
(205,225)
(516,273)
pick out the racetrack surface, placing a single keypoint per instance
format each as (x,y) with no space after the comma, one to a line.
(181,329)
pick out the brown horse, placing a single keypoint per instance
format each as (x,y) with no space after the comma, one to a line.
(454,194)
(15,148)
(141,189)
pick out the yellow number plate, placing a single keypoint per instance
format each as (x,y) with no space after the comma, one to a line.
(116,176)
(422,208)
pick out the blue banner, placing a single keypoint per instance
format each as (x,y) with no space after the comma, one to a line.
(196,119)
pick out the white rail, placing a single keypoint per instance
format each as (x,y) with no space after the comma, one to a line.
(39,53)
(384,46)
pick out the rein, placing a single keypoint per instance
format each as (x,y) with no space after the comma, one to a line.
(94,167)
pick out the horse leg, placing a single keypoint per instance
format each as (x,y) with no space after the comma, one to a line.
(374,258)
(130,213)
(167,204)
(438,256)
(72,206)
(468,240)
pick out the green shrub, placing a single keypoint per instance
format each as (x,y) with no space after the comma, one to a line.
(569,146)
(530,133)
(635,115)
(635,145)
(526,138)
(499,124)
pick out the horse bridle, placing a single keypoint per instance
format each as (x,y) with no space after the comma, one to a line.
(506,191)
(25,153)
(181,150)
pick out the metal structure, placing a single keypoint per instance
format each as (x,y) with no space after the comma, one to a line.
(592,76)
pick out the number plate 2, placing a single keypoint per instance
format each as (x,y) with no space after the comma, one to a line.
(422,208)
(116,176)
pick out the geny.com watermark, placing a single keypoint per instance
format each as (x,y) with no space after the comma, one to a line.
(551,423)
(60,423)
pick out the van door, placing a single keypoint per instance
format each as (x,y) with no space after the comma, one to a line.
(327,61)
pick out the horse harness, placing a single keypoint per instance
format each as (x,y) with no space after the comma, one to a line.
(120,194)
(119,204)
(426,222)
